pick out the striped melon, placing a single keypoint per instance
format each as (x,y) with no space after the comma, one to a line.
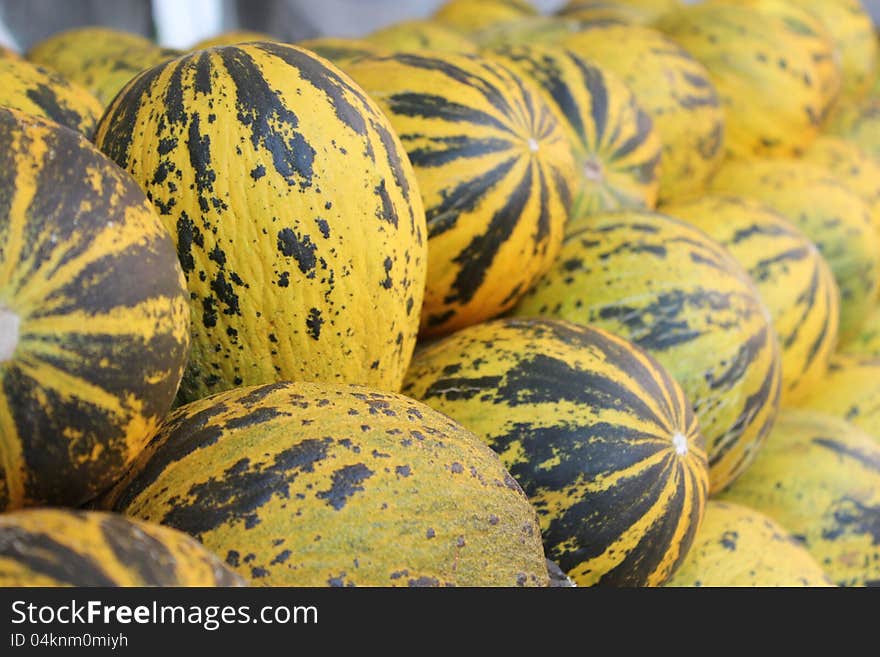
(61,547)
(860,123)
(341,51)
(496,172)
(528,31)
(273,170)
(94,323)
(617,148)
(685,108)
(419,35)
(666,286)
(302,484)
(851,391)
(829,213)
(819,477)
(867,342)
(738,546)
(100,59)
(792,277)
(40,92)
(596,432)
(470,16)
(627,11)
(231,38)
(770,71)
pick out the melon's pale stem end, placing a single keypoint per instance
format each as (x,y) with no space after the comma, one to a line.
(680,443)
(593,171)
(9,326)
(533,145)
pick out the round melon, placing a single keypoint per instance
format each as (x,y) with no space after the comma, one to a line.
(670,289)
(496,173)
(40,92)
(641,12)
(685,108)
(867,342)
(598,434)
(738,546)
(341,51)
(614,139)
(795,283)
(65,547)
(770,69)
(819,477)
(99,59)
(274,171)
(231,38)
(298,484)
(860,123)
(421,35)
(834,217)
(470,16)
(851,390)
(94,321)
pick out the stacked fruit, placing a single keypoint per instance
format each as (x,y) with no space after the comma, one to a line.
(462,302)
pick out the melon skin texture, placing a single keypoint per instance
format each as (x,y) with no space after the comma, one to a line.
(275,172)
(819,477)
(833,216)
(670,289)
(298,484)
(67,547)
(94,319)
(342,51)
(421,35)
(738,546)
(469,16)
(641,12)
(795,283)
(867,342)
(596,432)
(496,172)
(231,38)
(41,92)
(859,123)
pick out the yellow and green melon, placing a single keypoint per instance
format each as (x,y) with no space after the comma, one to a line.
(231,38)
(792,277)
(68,547)
(496,172)
(274,171)
(94,319)
(771,70)
(834,217)
(299,484)
(598,434)
(738,546)
(470,16)
(642,12)
(672,290)
(341,51)
(618,149)
(819,477)
(867,342)
(421,35)
(41,92)
(859,123)
(100,59)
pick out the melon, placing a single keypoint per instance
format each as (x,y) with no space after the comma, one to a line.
(675,292)
(795,283)
(867,342)
(231,38)
(67,547)
(834,217)
(470,16)
(617,147)
(341,51)
(496,172)
(94,319)
(597,433)
(738,546)
(641,12)
(860,124)
(40,92)
(273,170)
(301,484)
(421,35)
(99,59)
(771,71)
(819,477)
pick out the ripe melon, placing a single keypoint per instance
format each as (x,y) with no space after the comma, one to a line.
(617,148)
(829,213)
(641,12)
(770,71)
(40,92)
(597,433)
(99,59)
(860,124)
(421,35)
(669,288)
(738,546)
(274,171)
(94,321)
(231,38)
(819,477)
(341,51)
(298,484)
(496,172)
(470,16)
(792,277)
(867,342)
(65,547)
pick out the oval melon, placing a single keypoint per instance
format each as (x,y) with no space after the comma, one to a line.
(597,433)
(299,484)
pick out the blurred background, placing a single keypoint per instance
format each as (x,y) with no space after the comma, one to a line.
(181,23)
